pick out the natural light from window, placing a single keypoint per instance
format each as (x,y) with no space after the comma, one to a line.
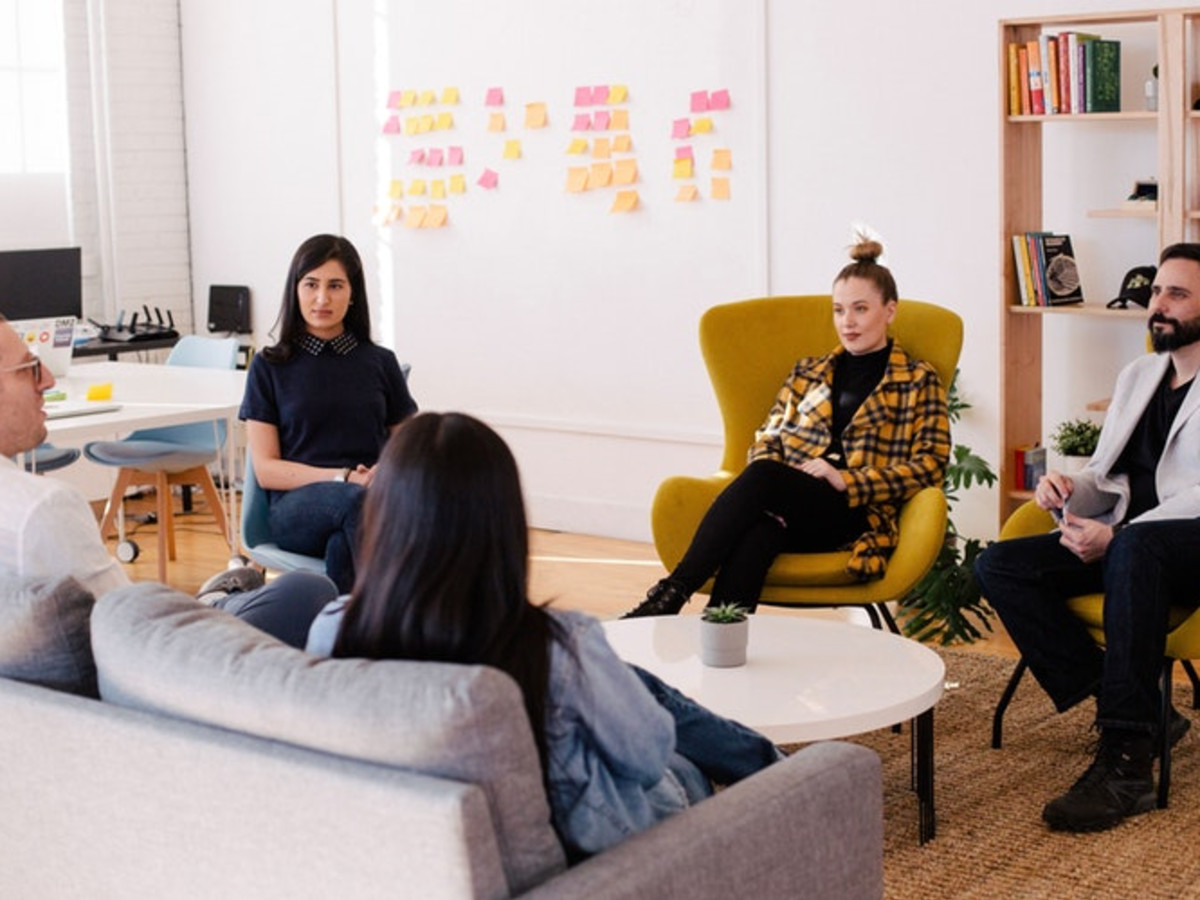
(33,115)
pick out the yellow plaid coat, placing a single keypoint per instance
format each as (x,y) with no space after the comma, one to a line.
(897,443)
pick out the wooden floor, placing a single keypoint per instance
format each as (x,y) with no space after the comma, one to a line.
(601,576)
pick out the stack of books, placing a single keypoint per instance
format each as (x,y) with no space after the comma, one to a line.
(1045,269)
(1064,74)
(1029,465)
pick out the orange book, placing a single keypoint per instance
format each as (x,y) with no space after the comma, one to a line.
(1014,84)
(1037,95)
(1023,78)
(1050,76)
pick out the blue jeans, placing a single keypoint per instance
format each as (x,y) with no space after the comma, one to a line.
(723,750)
(1149,567)
(321,520)
(284,607)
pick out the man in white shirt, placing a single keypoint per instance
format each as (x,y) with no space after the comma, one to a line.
(47,528)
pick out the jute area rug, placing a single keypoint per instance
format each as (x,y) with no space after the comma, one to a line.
(991,842)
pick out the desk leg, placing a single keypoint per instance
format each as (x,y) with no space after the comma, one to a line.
(923,759)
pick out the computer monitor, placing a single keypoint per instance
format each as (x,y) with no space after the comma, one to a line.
(41,284)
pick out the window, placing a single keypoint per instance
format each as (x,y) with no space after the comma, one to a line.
(33,107)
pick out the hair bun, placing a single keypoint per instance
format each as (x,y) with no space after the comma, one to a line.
(866,250)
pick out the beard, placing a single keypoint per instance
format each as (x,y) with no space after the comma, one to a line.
(1182,333)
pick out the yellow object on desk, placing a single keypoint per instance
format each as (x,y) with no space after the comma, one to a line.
(100,391)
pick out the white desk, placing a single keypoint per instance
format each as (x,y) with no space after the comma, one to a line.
(805,679)
(152,396)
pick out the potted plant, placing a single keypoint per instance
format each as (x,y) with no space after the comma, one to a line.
(724,635)
(1075,441)
(943,604)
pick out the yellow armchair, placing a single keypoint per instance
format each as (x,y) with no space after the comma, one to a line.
(749,348)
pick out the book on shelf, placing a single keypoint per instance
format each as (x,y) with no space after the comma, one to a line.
(1023,79)
(1060,274)
(1064,75)
(1021,267)
(1076,41)
(1102,76)
(1049,49)
(1034,240)
(1014,85)
(1037,94)
(1029,464)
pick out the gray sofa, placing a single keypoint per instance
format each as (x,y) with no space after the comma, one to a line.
(221,763)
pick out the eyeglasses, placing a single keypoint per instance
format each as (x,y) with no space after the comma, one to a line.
(35,364)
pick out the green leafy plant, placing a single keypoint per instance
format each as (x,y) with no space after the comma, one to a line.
(946,605)
(1075,437)
(725,613)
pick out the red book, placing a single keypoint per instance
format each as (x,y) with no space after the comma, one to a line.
(1037,95)
(1065,98)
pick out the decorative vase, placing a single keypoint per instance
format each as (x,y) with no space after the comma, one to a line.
(723,644)
(1073,464)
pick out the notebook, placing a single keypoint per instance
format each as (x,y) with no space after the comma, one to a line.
(62,409)
(52,340)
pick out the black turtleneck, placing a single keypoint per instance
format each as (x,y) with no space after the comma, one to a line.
(854,377)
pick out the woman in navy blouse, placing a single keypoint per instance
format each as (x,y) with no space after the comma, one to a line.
(320,404)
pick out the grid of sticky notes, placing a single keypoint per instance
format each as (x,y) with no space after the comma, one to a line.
(603,145)
(699,148)
(434,172)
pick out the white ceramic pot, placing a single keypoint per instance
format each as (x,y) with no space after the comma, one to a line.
(723,645)
(1074,464)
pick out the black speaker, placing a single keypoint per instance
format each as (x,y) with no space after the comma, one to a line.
(229,308)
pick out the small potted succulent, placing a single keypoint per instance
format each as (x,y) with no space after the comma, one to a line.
(724,635)
(1075,441)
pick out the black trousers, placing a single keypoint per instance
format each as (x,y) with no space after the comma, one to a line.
(770,508)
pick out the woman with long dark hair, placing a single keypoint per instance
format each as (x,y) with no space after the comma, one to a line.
(320,404)
(443,576)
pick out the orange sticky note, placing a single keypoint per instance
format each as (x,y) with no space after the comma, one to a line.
(626,201)
(437,189)
(444,121)
(601,175)
(535,115)
(392,216)
(416,215)
(458,184)
(512,149)
(703,125)
(416,187)
(577,147)
(622,143)
(687,193)
(496,122)
(577,179)
(601,148)
(682,168)
(626,171)
(722,159)
(617,93)
(620,120)
(436,218)
(720,188)
(450,96)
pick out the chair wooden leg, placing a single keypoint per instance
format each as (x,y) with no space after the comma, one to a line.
(1005,699)
(1194,679)
(213,498)
(1164,735)
(115,499)
(166,533)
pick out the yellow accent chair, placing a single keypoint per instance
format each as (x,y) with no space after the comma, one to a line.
(749,348)
(1183,644)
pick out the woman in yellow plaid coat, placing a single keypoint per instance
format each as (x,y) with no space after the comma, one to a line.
(851,436)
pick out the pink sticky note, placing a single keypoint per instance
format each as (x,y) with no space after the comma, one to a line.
(393,101)
(488,179)
(583,96)
(601,119)
(700,101)
(454,156)
(435,157)
(416,158)
(681,128)
(600,94)
(719,99)
(495,97)
(684,152)
(392,125)
(583,122)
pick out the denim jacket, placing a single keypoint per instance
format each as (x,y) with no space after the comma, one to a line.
(610,743)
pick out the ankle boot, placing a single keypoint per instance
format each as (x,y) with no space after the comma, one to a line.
(664,599)
(1119,783)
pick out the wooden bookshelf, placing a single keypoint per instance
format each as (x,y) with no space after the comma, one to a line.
(1176,216)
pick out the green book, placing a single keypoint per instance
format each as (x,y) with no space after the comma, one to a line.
(1102,76)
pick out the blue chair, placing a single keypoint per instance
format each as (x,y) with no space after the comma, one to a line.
(256,531)
(46,458)
(176,454)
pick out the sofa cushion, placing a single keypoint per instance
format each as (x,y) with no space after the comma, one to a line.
(44,635)
(161,651)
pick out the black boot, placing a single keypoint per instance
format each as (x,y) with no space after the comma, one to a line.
(664,599)
(1118,784)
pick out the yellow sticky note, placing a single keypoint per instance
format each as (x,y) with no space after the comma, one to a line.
(601,148)
(425,124)
(408,98)
(682,168)
(720,188)
(450,96)
(577,179)
(617,94)
(512,149)
(102,390)
(436,218)
(426,98)
(437,189)
(411,124)
(416,215)
(396,189)
(535,115)
(601,175)
(578,146)
(722,159)
(687,193)
(416,187)
(702,125)
(626,171)
(622,143)
(620,120)
(626,201)
(496,122)
(458,184)
(444,121)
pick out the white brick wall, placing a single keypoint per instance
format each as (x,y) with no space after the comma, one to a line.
(128,159)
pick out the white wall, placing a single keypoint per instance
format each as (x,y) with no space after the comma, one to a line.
(887,117)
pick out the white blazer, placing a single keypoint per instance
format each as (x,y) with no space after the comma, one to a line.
(1100,495)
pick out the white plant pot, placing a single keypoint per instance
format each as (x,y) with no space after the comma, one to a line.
(1074,464)
(723,645)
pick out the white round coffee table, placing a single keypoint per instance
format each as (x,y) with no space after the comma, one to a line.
(805,679)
